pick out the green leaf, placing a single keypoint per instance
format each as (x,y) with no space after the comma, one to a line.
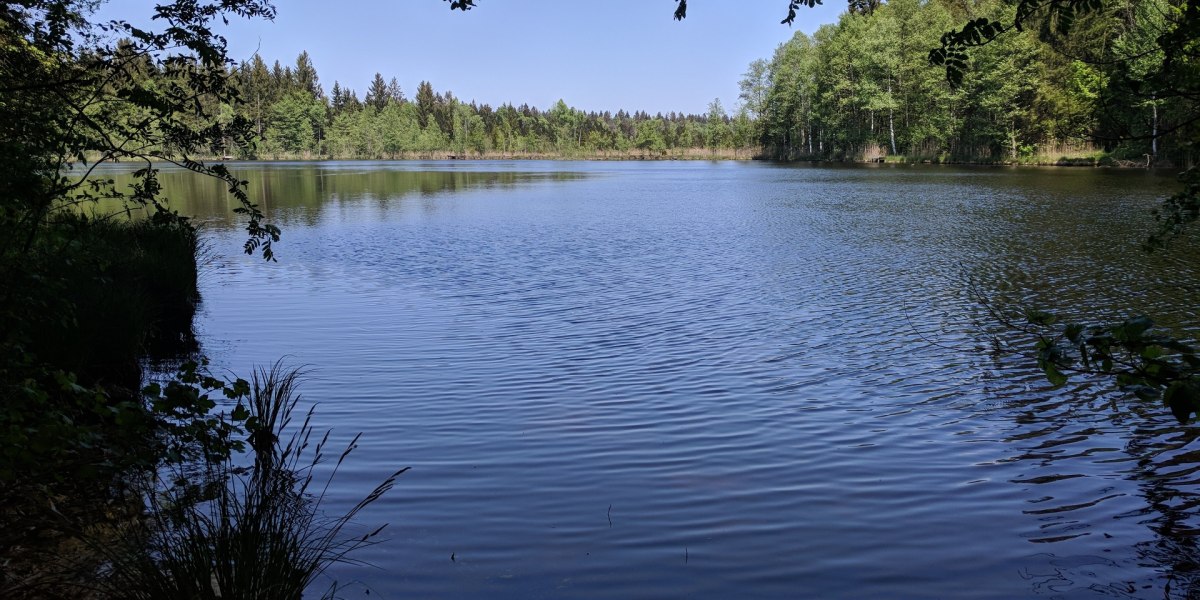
(1183,400)
(1056,377)
(1073,332)
(240,413)
(239,389)
(1133,329)
(1145,392)
(1040,317)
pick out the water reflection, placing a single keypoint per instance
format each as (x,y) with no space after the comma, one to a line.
(1082,258)
(309,194)
(1067,241)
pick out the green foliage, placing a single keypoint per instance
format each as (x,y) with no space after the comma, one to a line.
(1138,78)
(86,298)
(649,136)
(862,88)
(68,94)
(238,525)
(93,298)
(1144,361)
(856,88)
(296,122)
(188,425)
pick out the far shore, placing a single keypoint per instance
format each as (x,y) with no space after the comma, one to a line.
(1094,160)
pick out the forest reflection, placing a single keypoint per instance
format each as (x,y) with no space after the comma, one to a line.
(302,192)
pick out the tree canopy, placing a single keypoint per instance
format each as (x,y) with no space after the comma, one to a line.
(861,88)
(75,92)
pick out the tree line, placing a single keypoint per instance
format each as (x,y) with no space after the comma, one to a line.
(863,88)
(858,89)
(294,116)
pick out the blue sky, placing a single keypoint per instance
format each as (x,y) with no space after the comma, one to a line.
(596,55)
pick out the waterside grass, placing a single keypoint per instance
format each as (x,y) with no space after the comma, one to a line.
(244,525)
(84,302)
(247,526)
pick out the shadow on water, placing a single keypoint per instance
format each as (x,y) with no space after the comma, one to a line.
(1072,449)
(1075,445)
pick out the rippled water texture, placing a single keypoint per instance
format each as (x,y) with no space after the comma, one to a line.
(622,380)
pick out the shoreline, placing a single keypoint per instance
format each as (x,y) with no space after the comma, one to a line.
(748,154)
(1061,163)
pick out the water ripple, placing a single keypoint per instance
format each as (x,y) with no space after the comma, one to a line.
(725,380)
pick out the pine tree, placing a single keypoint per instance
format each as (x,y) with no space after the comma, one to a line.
(393,91)
(377,94)
(336,101)
(425,101)
(305,76)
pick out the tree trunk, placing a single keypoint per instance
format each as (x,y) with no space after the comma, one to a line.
(892,121)
(1154,128)
(1012,141)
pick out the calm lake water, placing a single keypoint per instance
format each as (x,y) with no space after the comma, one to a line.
(718,380)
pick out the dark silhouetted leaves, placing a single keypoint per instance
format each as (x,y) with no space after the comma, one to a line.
(1183,399)
(953,53)
(1142,360)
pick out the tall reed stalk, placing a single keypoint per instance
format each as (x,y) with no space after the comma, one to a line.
(248,526)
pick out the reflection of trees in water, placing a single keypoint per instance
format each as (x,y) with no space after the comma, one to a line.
(1075,446)
(1090,433)
(288,192)
(1091,457)
(1178,557)
(1166,471)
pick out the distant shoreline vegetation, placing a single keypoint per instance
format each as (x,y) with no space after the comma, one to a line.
(787,114)
(1078,158)
(863,89)
(697,154)
(860,90)
(293,116)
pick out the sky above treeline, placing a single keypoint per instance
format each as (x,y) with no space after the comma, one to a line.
(597,56)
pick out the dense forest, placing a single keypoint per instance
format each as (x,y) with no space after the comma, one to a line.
(863,88)
(295,117)
(858,89)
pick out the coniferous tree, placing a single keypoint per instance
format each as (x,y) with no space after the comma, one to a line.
(377,93)
(337,103)
(425,102)
(394,93)
(305,76)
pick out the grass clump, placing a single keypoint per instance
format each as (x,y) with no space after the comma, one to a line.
(237,525)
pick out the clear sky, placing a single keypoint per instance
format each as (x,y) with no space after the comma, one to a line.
(596,55)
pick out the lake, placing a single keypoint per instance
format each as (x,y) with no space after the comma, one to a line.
(720,380)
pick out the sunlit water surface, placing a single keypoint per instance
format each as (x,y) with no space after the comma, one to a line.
(657,380)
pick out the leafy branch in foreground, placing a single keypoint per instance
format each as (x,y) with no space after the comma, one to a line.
(793,6)
(72,98)
(1142,359)
(1058,15)
(681,7)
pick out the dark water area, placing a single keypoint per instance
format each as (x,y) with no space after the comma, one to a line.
(720,380)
